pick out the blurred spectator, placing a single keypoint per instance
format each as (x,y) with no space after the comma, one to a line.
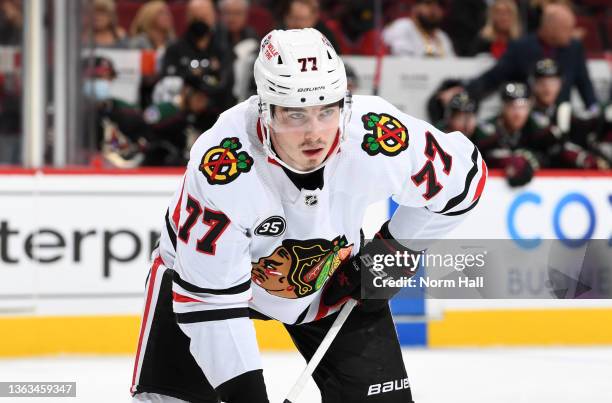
(298,14)
(152,27)
(460,115)
(176,125)
(464,20)
(120,131)
(605,133)
(200,52)
(502,139)
(201,10)
(354,29)
(10,118)
(243,42)
(502,26)
(420,35)
(438,101)
(233,15)
(568,141)
(553,40)
(102,29)
(533,10)
(11,22)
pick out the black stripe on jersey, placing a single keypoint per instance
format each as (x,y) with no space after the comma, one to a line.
(237,289)
(464,210)
(302,315)
(212,315)
(468,182)
(170,230)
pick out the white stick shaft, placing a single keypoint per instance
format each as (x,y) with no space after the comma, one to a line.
(296,391)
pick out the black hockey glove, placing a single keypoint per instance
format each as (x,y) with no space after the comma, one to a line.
(356,278)
(520,167)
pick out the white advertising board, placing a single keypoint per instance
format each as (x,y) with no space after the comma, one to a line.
(87,238)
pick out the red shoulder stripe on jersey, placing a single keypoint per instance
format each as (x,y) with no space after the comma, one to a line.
(177,209)
(481,182)
(145,317)
(183,298)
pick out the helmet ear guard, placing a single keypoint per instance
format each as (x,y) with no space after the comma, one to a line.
(299,68)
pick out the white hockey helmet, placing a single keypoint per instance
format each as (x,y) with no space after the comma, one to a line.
(299,68)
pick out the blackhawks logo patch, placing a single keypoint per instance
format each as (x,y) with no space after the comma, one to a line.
(222,164)
(388,135)
(298,268)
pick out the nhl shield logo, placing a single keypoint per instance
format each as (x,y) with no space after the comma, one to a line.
(223,164)
(311,200)
(388,135)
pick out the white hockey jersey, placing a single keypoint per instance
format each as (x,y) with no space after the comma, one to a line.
(242,238)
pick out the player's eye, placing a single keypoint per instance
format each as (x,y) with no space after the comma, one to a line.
(327,113)
(297,116)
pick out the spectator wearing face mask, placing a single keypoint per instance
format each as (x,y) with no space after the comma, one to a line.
(120,131)
(419,36)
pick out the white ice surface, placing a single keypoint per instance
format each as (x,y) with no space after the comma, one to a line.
(500,375)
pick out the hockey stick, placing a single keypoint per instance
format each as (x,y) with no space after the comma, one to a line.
(296,391)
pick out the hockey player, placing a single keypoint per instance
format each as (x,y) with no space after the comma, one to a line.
(459,115)
(505,141)
(568,141)
(266,225)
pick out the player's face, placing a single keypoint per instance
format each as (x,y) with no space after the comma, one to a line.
(302,137)
(546,90)
(515,113)
(464,122)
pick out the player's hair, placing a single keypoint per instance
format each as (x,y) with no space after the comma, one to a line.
(339,103)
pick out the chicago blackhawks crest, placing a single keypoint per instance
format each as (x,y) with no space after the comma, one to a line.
(386,134)
(223,163)
(296,269)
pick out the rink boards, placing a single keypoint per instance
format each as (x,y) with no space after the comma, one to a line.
(74,248)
